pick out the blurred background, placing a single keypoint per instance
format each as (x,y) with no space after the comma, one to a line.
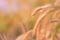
(15,16)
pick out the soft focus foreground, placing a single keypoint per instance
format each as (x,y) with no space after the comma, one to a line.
(29,19)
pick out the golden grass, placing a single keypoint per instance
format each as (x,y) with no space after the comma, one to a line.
(44,28)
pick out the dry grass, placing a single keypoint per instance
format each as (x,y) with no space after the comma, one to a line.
(44,28)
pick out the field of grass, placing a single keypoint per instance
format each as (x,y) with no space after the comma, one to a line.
(30,20)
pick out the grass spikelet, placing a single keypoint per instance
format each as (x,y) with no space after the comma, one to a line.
(40,9)
(39,20)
